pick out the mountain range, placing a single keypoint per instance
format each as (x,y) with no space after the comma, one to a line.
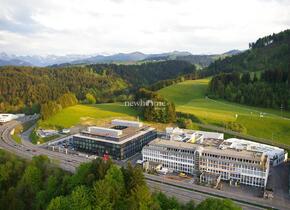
(50,60)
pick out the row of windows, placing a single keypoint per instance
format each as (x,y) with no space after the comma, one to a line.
(171,165)
(178,158)
(230,158)
(229,166)
(248,180)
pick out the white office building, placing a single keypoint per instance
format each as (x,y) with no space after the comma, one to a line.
(233,159)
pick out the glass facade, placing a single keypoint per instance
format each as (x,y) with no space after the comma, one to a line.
(116,151)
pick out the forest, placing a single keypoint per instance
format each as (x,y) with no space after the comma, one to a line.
(140,75)
(25,89)
(39,185)
(269,52)
(271,90)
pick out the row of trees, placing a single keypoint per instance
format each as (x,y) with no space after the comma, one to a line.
(95,185)
(264,92)
(154,107)
(52,107)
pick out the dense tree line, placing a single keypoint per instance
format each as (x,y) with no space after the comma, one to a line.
(270,52)
(99,184)
(165,83)
(272,89)
(154,107)
(52,107)
(140,75)
(28,87)
(271,39)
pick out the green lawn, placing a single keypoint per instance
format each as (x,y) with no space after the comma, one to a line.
(89,115)
(189,97)
(16,138)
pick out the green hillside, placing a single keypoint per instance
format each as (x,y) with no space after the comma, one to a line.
(88,114)
(190,97)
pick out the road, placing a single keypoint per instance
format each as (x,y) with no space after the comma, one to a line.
(186,191)
(186,195)
(27,150)
(70,162)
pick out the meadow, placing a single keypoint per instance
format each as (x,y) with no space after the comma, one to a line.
(190,97)
(88,115)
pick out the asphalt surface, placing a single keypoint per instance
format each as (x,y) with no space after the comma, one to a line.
(70,162)
(186,195)
(27,150)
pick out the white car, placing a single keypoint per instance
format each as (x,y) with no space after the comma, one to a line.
(140,162)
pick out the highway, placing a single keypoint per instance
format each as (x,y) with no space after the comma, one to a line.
(27,150)
(70,162)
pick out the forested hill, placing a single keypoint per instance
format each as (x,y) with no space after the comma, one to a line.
(144,74)
(25,88)
(267,53)
(28,87)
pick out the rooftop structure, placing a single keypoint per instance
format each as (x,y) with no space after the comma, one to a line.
(127,123)
(276,154)
(190,136)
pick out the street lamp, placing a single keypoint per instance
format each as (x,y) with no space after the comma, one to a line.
(281,108)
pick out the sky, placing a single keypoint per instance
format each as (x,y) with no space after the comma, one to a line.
(41,27)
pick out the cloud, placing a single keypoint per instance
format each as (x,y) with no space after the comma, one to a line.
(77,26)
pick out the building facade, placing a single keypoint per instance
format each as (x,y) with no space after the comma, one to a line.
(236,163)
(242,166)
(120,140)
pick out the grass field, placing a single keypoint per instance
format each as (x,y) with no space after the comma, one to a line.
(189,97)
(88,115)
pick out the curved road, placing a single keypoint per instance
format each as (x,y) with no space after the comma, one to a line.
(27,150)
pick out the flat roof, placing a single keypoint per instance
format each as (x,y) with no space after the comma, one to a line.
(211,149)
(234,153)
(127,132)
(125,138)
(172,143)
(235,143)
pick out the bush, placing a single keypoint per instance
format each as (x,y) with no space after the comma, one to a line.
(184,123)
(234,126)
(90,98)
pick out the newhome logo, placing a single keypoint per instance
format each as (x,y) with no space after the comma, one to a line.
(144,103)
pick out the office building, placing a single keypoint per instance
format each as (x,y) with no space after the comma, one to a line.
(121,139)
(235,160)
